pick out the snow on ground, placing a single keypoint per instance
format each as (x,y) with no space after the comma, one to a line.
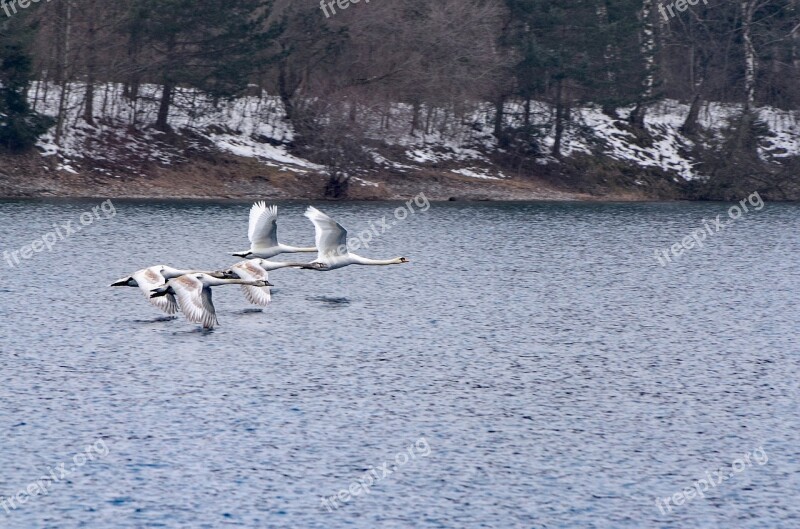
(251,126)
(364,183)
(254,126)
(786,129)
(666,152)
(590,132)
(478,173)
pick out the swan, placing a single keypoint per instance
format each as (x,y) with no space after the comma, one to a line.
(155,276)
(331,239)
(193,295)
(263,234)
(253,270)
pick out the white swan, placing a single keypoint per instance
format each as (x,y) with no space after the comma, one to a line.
(254,270)
(331,239)
(263,234)
(193,294)
(155,276)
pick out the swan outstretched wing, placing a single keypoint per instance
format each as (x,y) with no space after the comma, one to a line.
(194,299)
(252,271)
(331,237)
(151,278)
(263,230)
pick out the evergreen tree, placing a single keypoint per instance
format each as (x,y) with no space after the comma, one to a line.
(206,44)
(19,125)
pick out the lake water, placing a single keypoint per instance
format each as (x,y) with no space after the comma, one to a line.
(534,363)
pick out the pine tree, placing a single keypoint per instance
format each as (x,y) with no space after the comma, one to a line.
(19,125)
(204,44)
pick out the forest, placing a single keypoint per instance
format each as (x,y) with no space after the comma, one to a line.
(349,74)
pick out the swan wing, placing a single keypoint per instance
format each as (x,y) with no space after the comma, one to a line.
(194,299)
(331,237)
(151,278)
(263,230)
(252,271)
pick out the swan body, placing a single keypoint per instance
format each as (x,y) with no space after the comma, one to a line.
(254,270)
(331,240)
(263,234)
(193,295)
(147,279)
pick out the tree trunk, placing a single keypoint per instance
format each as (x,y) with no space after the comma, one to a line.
(62,12)
(750,60)
(690,126)
(415,118)
(527,115)
(91,65)
(428,118)
(284,92)
(648,48)
(795,38)
(637,115)
(62,75)
(499,118)
(560,113)
(353,111)
(162,121)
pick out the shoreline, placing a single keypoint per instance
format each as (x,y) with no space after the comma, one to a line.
(235,178)
(225,177)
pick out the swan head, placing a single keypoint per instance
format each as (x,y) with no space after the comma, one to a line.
(127,282)
(230,273)
(402,260)
(224,274)
(161,291)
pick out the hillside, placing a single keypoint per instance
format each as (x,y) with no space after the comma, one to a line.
(245,147)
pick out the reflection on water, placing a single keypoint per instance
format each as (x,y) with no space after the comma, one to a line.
(330,300)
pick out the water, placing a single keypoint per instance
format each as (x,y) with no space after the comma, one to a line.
(556,373)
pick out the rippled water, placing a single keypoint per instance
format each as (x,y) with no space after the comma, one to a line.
(559,376)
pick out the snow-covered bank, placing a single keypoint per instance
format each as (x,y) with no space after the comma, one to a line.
(121,144)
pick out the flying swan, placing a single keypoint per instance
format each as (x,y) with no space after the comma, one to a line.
(253,270)
(193,295)
(263,234)
(155,276)
(331,239)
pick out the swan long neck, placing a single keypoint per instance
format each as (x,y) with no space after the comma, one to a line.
(357,259)
(297,249)
(215,282)
(170,273)
(269,266)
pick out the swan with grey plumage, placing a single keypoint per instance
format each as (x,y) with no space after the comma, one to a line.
(254,270)
(152,277)
(192,293)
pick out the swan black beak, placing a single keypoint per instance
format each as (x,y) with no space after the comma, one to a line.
(120,283)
